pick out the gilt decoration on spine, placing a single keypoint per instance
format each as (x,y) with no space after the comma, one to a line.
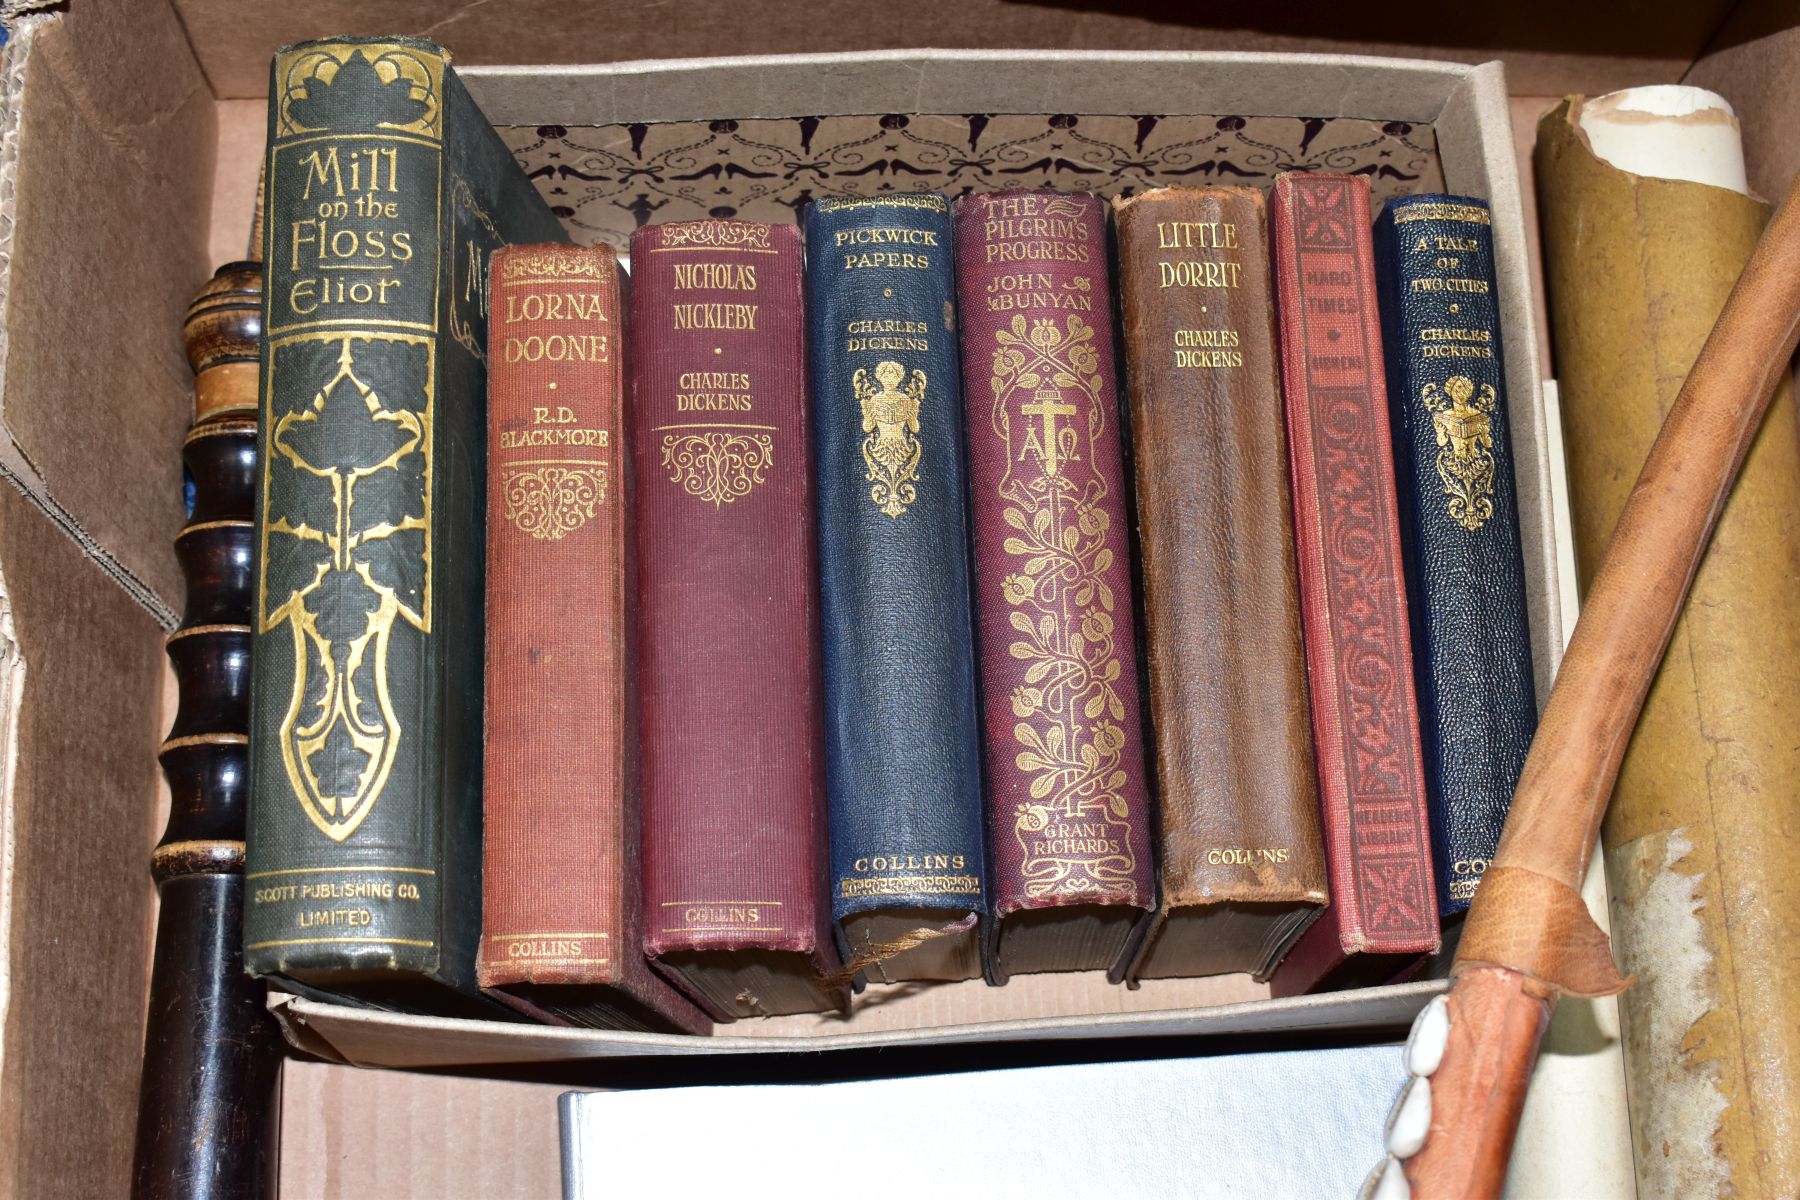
(337,713)
(324,553)
(1459,520)
(716,467)
(550,502)
(1047,412)
(902,746)
(891,402)
(1462,422)
(1067,800)
(385,190)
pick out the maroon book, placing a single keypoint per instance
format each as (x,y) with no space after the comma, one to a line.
(733,760)
(1383,910)
(562,909)
(1068,814)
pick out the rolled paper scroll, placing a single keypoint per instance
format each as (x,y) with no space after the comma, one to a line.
(1646,226)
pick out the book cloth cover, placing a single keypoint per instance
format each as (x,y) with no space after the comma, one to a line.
(386,190)
(729,670)
(1352,591)
(562,911)
(902,734)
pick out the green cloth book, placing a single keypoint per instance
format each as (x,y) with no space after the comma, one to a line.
(385,193)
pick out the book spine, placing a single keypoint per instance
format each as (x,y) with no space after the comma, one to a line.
(559,849)
(1069,821)
(384,192)
(1459,518)
(1352,591)
(343,863)
(1239,808)
(902,751)
(733,763)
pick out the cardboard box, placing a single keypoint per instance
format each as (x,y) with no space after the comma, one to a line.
(1412,125)
(129,135)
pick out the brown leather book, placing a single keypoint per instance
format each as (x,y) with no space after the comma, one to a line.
(734,747)
(1242,868)
(562,910)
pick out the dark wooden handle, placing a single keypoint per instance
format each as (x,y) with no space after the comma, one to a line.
(212,1054)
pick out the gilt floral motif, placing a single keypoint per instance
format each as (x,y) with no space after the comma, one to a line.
(550,502)
(345,564)
(716,466)
(1075,829)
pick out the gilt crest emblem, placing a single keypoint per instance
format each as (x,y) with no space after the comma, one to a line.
(891,451)
(1462,419)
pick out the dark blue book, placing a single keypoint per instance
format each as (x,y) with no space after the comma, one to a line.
(907,872)
(1465,575)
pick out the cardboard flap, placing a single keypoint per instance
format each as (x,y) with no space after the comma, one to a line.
(94,391)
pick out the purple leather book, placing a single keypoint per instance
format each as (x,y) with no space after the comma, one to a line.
(1068,815)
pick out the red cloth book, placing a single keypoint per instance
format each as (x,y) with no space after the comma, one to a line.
(733,749)
(1383,911)
(562,909)
(1068,808)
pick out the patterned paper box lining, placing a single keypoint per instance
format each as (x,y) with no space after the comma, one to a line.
(606,180)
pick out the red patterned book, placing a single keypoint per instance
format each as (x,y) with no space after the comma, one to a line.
(562,909)
(1068,810)
(1383,911)
(733,747)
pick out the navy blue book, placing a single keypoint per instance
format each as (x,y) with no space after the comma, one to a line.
(907,871)
(1465,575)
